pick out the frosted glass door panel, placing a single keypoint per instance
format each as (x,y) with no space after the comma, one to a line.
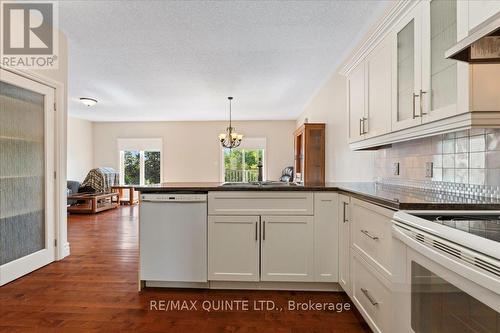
(406,71)
(443,76)
(22,173)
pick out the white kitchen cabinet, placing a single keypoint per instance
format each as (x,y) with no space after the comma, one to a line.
(438,94)
(481,10)
(356,86)
(369,94)
(287,248)
(344,243)
(233,248)
(406,69)
(372,294)
(260,203)
(326,236)
(379,90)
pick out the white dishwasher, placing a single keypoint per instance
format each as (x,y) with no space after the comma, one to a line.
(173,237)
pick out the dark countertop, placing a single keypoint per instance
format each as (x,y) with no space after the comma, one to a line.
(391,196)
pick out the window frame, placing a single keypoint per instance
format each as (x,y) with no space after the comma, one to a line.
(140,145)
(248,144)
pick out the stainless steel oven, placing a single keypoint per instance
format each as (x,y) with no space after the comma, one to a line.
(447,287)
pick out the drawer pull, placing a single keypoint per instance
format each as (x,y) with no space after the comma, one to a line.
(369,235)
(370,298)
(256,228)
(344,219)
(263,230)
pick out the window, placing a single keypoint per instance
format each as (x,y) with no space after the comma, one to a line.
(241,164)
(140,161)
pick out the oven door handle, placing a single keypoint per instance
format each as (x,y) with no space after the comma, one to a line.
(454,264)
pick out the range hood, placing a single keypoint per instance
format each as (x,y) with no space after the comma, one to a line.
(481,46)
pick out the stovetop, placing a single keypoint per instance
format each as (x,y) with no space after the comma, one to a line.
(485,226)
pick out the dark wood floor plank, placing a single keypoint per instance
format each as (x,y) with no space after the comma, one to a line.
(95,290)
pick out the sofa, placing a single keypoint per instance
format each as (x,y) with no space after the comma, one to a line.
(72,187)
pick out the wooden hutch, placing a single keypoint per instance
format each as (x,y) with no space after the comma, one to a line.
(309,150)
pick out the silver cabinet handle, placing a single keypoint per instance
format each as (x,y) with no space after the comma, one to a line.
(364,121)
(369,235)
(263,230)
(422,113)
(414,114)
(370,297)
(361,126)
(256,228)
(344,219)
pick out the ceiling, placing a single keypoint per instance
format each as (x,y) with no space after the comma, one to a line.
(179,60)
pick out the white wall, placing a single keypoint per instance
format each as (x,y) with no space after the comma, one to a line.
(80,148)
(191,150)
(329,105)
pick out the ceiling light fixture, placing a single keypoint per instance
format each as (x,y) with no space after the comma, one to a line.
(88,101)
(230,139)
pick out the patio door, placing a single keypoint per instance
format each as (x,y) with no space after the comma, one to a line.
(27,208)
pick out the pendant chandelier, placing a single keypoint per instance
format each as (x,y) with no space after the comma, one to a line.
(230,139)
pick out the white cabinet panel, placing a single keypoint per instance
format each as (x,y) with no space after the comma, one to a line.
(371,234)
(344,243)
(372,295)
(326,237)
(439,90)
(260,203)
(287,248)
(407,70)
(356,86)
(481,10)
(379,69)
(233,248)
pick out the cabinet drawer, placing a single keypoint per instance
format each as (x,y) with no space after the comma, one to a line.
(371,234)
(372,295)
(260,203)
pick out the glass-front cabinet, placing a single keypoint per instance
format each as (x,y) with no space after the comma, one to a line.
(425,82)
(406,70)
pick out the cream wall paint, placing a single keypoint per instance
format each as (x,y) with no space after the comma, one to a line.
(329,105)
(80,148)
(191,150)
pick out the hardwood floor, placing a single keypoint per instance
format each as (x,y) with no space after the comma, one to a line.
(95,290)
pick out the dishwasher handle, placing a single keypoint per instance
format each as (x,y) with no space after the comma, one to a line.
(170,197)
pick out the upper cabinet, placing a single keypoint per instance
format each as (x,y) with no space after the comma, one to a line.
(369,95)
(400,86)
(479,11)
(406,69)
(425,87)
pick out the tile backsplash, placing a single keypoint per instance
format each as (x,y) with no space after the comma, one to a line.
(469,157)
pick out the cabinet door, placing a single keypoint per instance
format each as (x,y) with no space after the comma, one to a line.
(233,248)
(356,99)
(344,243)
(438,95)
(406,68)
(326,237)
(379,68)
(481,10)
(287,248)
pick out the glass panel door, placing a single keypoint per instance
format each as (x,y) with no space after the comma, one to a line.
(439,306)
(26,202)
(439,81)
(407,70)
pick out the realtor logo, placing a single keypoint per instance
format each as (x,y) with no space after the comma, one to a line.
(29,39)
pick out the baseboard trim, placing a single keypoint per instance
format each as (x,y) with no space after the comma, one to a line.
(268,285)
(65,251)
(262,285)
